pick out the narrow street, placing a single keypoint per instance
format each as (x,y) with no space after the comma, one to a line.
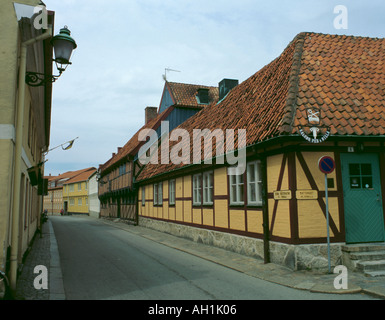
(101,262)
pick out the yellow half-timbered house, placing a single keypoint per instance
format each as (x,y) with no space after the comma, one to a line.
(323,96)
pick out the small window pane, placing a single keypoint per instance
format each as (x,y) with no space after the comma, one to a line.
(355,182)
(366,169)
(252,193)
(354,169)
(367,182)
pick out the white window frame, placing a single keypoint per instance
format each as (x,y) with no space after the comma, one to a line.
(143,196)
(155,194)
(254,171)
(208,188)
(160,193)
(171,190)
(197,186)
(237,184)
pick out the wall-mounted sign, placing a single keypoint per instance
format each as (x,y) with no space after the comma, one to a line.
(306,194)
(314,132)
(282,195)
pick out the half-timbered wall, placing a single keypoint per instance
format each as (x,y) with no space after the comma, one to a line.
(116,194)
(296,192)
(221,215)
(295,197)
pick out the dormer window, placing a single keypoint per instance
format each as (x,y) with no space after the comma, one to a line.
(203,96)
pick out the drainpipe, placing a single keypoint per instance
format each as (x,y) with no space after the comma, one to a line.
(18,152)
(265,212)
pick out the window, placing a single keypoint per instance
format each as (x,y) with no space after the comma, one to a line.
(122,169)
(254,183)
(72,202)
(158,193)
(79,186)
(72,187)
(360,175)
(203,188)
(155,194)
(236,189)
(171,191)
(143,196)
(208,188)
(79,201)
(197,189)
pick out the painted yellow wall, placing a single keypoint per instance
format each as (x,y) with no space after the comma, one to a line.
(218,215)
(281,227)
(221,214)
(311,219)
(82,193)
(220,185)
(30,203)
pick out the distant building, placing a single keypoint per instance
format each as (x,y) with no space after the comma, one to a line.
(53,201)
(117,176)
(93,199)
(75,193)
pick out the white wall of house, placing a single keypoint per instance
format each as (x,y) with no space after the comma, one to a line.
(94,203)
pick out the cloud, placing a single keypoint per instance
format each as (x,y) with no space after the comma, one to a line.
(124,47)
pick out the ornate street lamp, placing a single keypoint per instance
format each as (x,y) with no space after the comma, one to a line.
(63,45)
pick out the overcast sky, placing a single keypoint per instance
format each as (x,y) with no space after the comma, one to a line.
(124,47)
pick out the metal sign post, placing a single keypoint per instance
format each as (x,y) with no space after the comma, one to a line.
(327,166)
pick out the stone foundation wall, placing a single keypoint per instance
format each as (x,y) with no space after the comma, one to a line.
(295,257)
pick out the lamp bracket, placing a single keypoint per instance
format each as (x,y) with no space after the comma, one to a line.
(36,79)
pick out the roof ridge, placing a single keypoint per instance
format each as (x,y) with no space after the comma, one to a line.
(191,84)
(291,101)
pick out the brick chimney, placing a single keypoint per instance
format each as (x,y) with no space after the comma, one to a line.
(151,113)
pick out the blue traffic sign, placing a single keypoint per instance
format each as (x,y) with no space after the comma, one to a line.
(326,164)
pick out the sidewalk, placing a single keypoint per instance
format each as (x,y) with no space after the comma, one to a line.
(45,252)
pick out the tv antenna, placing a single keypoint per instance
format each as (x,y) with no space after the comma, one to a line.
(168,70)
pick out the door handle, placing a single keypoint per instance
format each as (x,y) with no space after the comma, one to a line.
(378,197)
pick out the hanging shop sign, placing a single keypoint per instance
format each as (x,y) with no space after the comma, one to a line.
(314,132)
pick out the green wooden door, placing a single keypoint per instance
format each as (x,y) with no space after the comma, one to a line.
(364,220)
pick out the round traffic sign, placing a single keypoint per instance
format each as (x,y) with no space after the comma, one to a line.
(326,164)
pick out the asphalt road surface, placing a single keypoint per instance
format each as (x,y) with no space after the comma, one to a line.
(101,262)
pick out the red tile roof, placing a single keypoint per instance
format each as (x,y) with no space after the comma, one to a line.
(342,75)
(184,95)
(80,175)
